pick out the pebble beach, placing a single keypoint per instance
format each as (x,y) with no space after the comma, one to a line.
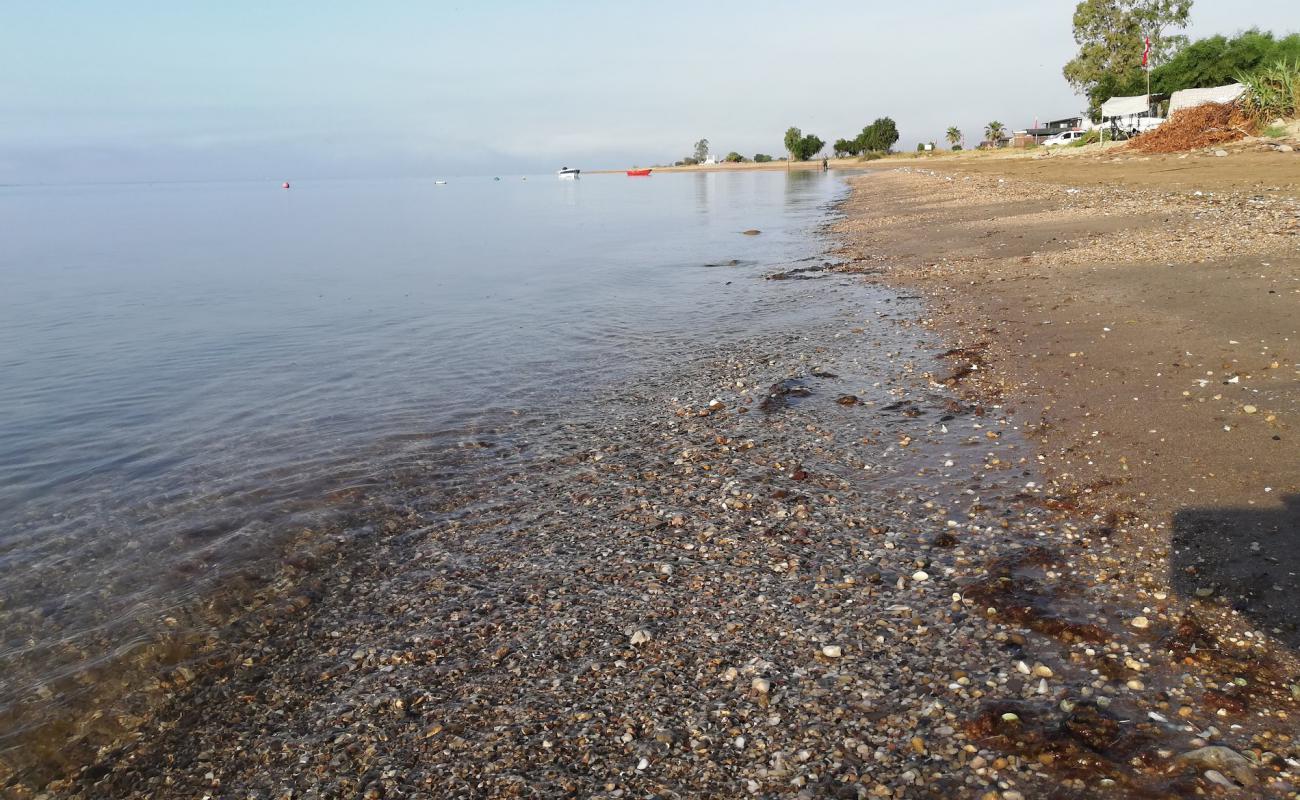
(845,560)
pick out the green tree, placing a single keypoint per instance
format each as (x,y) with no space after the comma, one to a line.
(994,131)
(1111,36)
(1219,60)
(762,158)
(847,147)
(810,146)
(879,136)
(734,157)
(701,150)
(953,136)
(792,138)
(801,147)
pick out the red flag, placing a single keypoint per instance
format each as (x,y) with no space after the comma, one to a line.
(1146,52)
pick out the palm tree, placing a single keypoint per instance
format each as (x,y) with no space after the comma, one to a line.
(993,132)
(954,136)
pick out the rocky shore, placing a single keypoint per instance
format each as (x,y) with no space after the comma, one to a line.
(874,556)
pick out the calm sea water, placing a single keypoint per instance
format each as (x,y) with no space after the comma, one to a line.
(186,369)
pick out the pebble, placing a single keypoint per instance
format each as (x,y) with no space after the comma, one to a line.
(832,651)
(1140,623)
(1224,760)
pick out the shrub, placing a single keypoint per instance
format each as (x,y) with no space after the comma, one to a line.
(1090,137)
(762,158)
(734,157)
(872,155)
(956,147)
(1272,91)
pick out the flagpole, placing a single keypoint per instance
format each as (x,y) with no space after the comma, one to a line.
(1146,62)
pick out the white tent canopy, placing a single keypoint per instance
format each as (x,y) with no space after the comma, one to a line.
(1190,98)
(1126,106)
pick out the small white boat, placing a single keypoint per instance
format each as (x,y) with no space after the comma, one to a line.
(439,183)
(568,173)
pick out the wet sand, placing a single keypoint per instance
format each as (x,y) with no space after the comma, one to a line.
(882,554)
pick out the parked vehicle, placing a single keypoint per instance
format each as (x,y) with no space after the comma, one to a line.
(1064,137)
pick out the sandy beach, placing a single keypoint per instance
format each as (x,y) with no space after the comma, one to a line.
(1011,516)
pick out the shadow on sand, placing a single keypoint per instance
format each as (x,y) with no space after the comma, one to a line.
(1246,558)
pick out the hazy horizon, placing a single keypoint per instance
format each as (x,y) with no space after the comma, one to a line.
(242,92)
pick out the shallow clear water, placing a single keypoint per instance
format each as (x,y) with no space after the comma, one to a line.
(188,369)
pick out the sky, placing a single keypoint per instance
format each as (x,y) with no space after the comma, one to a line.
(241,90)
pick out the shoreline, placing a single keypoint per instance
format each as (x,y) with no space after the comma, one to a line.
(746,589)
(1251,163)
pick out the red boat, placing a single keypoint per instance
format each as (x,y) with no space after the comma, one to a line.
(638,172)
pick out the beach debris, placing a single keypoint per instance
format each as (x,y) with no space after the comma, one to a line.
(778,394)
(801,274)
(1206,125)
(751,232)
(847,400)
